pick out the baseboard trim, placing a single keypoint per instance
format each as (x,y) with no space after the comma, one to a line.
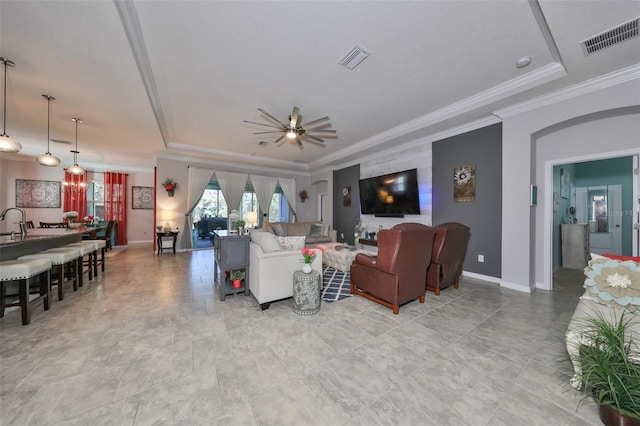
(517,287)
(481,277)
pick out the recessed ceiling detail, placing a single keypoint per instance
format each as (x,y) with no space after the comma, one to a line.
(610,37)
(353,57)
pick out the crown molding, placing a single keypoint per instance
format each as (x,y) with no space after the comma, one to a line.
(233,164)
(512,87)
(595,84)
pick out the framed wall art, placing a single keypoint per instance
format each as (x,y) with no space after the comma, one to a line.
(142,197)
(38,194)
(346,196)
(464,184)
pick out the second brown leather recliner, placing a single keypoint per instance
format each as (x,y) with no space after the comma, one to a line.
(449,250)
(398,273)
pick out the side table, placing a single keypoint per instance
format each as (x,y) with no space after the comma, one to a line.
(307,289)
(230,251)
(167,234)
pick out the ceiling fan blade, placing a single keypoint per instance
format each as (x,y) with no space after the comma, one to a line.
(270,131)
(295,117)
(299,142)
(315,138)
(316,143)
(315,122)
(279,139)
(272,117)
(261,124)
(322,131)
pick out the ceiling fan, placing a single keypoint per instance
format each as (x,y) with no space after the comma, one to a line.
(295,132)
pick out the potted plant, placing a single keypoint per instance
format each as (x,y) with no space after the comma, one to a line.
(237,277)
(239,225)
(610,372)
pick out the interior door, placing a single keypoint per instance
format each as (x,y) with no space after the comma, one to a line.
(601,208)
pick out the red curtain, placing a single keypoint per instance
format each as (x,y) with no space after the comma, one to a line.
(115,203)
(75,194)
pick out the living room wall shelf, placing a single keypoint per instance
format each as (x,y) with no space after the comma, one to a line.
(231,252)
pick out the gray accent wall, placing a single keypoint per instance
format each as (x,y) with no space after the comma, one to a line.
(346,217)
(482,148)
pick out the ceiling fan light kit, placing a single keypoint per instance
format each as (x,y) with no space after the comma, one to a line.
(48,159)
(7,143)
(293,130)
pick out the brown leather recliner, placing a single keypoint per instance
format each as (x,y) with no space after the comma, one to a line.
(449,250)
(398,273)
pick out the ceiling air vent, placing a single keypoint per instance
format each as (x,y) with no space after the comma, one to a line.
(354,57)
(610,37)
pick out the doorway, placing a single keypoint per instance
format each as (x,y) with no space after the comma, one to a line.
(601,208)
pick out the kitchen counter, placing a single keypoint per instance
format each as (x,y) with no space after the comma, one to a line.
(38,240)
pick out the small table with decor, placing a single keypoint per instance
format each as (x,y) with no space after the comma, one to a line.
(230,252)
(165,235)
(307,292)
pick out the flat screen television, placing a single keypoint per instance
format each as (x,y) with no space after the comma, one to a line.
(392,195)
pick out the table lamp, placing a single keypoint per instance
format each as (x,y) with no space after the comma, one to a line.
(252,218)
(167,215)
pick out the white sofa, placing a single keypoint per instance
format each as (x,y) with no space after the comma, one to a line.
(612,286)
(271,272)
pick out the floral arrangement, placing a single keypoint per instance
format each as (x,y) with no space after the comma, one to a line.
(308,254)
(70,215)
(303,195)
(91,219)
(170,185)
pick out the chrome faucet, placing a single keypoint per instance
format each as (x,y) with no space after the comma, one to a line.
(23,222)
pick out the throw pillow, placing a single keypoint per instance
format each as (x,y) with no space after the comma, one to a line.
(613,282)
(316,230)
(291,243)
(278,229)
(266,241)
(325,230)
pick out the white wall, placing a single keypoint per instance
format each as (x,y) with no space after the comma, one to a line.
(139,222)
(525,232)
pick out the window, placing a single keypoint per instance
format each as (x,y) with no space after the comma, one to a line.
(279,208)
(95,199)
(213,204)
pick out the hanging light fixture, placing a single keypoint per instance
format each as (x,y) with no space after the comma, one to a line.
(75,169)
(47,159)
(7,143)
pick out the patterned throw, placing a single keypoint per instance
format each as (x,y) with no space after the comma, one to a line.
(335,284)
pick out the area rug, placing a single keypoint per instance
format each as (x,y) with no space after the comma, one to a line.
(335,284)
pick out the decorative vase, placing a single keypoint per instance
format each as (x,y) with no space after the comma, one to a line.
(307,268)
(170,193)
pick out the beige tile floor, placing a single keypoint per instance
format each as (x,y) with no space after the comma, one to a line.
(150,342)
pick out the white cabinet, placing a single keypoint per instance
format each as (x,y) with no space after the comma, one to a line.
(575,245)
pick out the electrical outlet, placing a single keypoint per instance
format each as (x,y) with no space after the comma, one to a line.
(481,258)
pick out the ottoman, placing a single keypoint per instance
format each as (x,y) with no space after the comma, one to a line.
(340,257)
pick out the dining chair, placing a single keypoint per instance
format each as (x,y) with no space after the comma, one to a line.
(54,225)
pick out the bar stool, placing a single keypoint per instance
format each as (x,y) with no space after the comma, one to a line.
(88,250)
(97,245)
(22,271)
(60,257)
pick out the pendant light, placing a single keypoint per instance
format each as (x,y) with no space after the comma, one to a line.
(75,169)
(7,143)
(47,159)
